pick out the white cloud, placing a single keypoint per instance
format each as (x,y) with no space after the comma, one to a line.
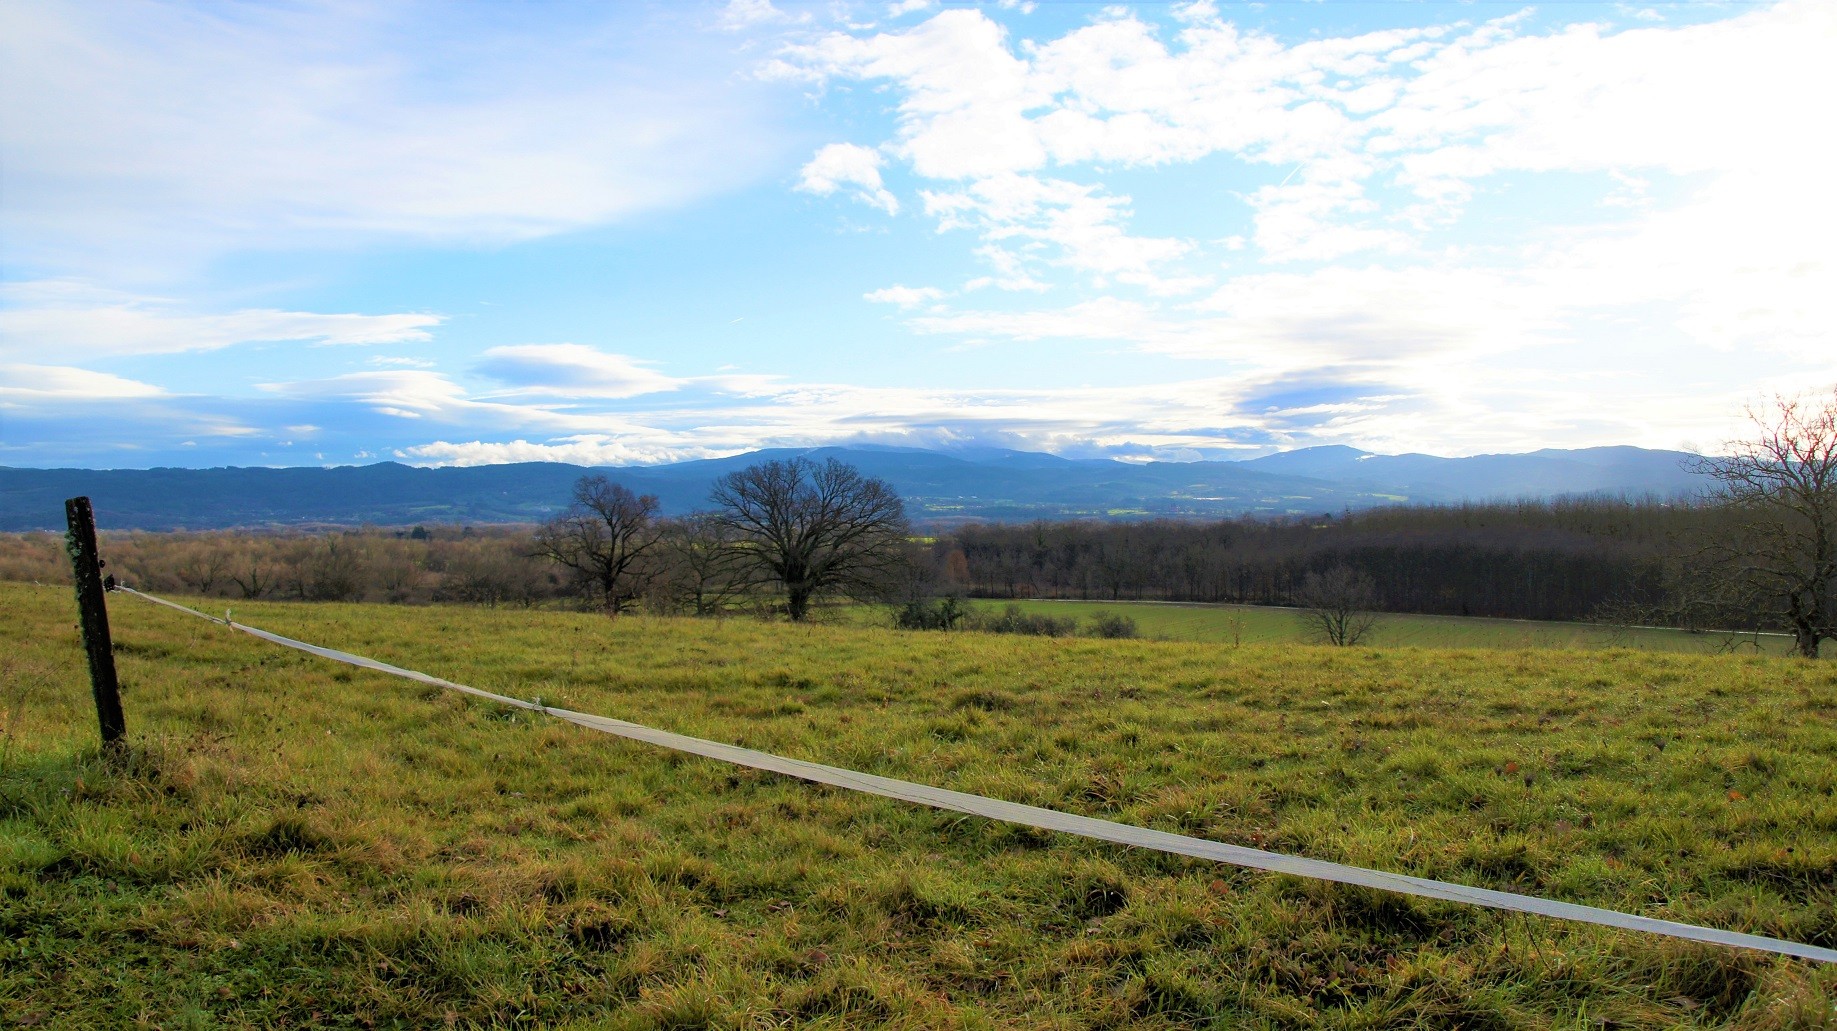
(966,96)
(1338,323)
(150,137)
(436,398)
(572,370)
(1079,229)
(1434,111)
(407,394)
(582,449)
(846,164)
(42,382)
(740,15)
(1080,421)
(904,296)
(1103,318)
(74,321)
(1339,316)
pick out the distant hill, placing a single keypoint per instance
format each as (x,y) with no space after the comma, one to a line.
(1539,474)
(939,487)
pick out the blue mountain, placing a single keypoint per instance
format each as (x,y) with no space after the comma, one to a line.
(940,487)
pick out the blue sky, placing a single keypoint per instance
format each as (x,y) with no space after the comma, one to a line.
(327,234)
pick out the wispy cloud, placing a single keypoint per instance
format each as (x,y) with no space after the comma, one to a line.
(1491,233)
(162,134)
(571,370)
(42,382)
(80,322)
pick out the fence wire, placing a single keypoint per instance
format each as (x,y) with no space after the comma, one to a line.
(1068,823)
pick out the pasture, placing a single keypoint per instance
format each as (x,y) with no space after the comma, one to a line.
(1261,624)
(292,843)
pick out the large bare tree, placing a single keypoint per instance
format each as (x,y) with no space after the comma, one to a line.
(601,537)
(1781,483)
(1338,606)
(814,529)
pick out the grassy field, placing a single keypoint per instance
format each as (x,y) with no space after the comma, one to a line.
(1255,624)
(291,843)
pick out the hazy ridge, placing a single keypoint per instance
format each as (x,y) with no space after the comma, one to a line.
(939,487)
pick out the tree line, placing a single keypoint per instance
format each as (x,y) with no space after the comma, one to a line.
(1758,550)
(1556,560)
(1571,559)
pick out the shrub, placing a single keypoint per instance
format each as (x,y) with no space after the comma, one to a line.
(1012,620)
(936,614)
(1112,625)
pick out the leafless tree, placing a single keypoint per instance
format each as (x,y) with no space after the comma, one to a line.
(814,529)
(703,568)
(601,538)
(330,569)
(1782,485)
(1338,606)
(252,574)
(201,566)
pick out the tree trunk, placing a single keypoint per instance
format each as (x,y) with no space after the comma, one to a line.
(798,604)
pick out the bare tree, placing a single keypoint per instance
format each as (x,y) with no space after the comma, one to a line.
(1338,606)
(331,569)
(601,537)
(201,564)
(254,576)
(814,529)
(1782,486)
(703,568)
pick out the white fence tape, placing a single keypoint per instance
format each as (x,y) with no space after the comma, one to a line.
(1085,826)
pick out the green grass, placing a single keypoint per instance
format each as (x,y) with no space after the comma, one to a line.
(1256,624)
(291,843)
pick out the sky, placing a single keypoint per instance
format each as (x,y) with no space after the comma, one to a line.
(615,234)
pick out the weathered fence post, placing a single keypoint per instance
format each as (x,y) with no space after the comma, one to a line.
(80,543)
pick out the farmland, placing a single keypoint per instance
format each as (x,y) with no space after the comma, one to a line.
(292,843)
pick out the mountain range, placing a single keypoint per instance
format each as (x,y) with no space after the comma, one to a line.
(939,487)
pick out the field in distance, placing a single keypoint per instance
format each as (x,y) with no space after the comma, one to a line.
(1262,624)
(290,842)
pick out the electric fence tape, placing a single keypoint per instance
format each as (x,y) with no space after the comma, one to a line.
(1053,820)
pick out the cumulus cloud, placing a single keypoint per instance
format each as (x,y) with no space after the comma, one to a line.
(1502,217)
(1432,111)
(967,96)
(841,165)
(904,296)
(1075,225)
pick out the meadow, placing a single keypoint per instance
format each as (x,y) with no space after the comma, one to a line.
(1264,624)
(291,843)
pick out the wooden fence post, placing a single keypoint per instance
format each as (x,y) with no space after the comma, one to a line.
(92,607)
